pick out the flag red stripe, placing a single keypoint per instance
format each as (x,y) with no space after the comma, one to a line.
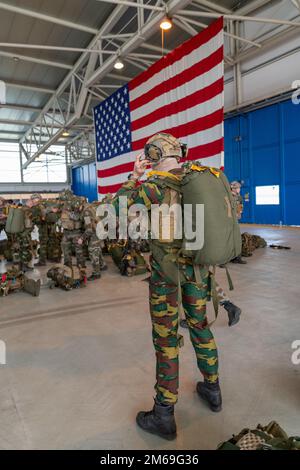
(191,127)
(185,49)
(207,150)
(187,75)
(113,188)
(115,170)
(187,102)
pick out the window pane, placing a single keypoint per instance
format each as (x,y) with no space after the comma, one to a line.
(48,168)
(9,163)
(267,195)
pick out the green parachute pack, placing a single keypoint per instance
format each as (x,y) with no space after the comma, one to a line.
(15,222)
(270,437)
(209,187)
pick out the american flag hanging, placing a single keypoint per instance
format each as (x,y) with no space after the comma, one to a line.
(181,94)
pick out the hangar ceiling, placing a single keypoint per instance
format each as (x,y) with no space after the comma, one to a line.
(57,58)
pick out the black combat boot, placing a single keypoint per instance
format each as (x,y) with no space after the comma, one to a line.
(211,393)
(94,276)
(233,311)
(238,260)
(160,421)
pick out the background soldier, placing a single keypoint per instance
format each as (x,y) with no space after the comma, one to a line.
(39,219)
(93,242)
(53,214)
(238,200)
(73,226)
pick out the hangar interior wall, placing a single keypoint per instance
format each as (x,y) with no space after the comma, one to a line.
(84,181)
(262,149)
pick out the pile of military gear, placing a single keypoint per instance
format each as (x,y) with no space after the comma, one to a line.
(128,258)
(270,437)
(66,277)
(14,280)
(251,242)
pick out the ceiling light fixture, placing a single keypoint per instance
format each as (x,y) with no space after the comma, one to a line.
(166,24)
(65,133)
(118,65)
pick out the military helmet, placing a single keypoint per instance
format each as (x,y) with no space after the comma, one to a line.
(36,196)
(164,145)
(65,194)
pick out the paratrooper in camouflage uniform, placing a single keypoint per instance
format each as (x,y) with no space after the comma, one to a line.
(163,299)
(93,243)
(73,229)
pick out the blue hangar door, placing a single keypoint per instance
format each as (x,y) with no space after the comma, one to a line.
(262,149)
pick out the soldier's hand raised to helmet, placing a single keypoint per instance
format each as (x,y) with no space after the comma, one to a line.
(140,166)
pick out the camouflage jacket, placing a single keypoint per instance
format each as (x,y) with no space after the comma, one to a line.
(38,214)
(147,194)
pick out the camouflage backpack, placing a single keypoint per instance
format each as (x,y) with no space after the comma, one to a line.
(250,243)
(66,277)
(15,222)
(270,437)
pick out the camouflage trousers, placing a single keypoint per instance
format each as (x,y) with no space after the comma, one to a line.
(54,250)
(165,316)
(71,238)
(24,244)
(43,238)
(95,253)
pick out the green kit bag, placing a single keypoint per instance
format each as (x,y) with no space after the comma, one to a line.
(15,222)
(209,188)
(222,237)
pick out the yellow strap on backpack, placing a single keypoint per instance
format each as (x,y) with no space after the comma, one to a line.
(164,174)
(214,171)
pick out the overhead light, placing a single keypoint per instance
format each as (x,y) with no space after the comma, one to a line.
(166,24)
(119,65)
(65,133)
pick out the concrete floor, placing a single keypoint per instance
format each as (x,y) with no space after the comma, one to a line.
(80,364)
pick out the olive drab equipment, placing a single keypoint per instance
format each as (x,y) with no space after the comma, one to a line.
(66,277)
(209,187)
(270,437)
(15,222)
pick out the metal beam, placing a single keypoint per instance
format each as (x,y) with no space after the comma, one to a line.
(120,77)
(213,6)
(133,4)
(255,19)
(42,47)
(16,122)
(44,17)
(76,92)
(19,107)
(267,43)
(151,47)
(147,30)
(136,64)
(252,6)
(36,60)
(24,86)
(230,35)
(103,70)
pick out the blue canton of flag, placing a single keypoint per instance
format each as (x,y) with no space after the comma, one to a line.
(112,125)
